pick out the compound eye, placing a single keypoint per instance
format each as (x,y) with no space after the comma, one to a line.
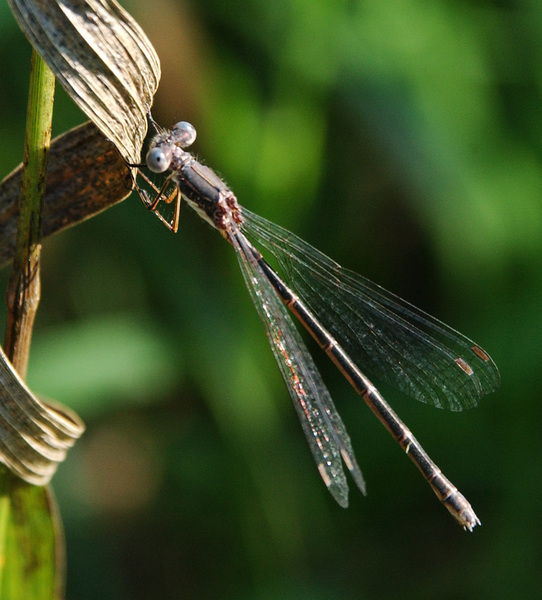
(158,159)
(184,134)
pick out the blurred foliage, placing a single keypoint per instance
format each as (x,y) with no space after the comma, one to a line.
(403,138)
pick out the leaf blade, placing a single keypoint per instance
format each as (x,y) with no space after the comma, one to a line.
(102,58)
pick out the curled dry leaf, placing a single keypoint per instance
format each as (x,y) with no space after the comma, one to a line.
(34,435)
(103,59)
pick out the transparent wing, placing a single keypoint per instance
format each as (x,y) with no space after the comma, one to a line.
(382,333)
(321,423)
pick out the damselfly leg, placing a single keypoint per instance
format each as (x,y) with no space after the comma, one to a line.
(168,193)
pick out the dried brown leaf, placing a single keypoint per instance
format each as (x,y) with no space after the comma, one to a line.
(103,59)
(34,435)
(85,175)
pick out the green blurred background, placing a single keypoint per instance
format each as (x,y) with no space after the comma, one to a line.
(404,139)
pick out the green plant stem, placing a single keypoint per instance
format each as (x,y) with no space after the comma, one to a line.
(23,293)
(32,547)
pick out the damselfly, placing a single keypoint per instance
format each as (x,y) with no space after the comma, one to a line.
(356,322)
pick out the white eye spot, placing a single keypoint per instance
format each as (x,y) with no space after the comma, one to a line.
(158,159)
(184,134)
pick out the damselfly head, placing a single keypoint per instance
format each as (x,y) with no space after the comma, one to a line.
(160,154)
